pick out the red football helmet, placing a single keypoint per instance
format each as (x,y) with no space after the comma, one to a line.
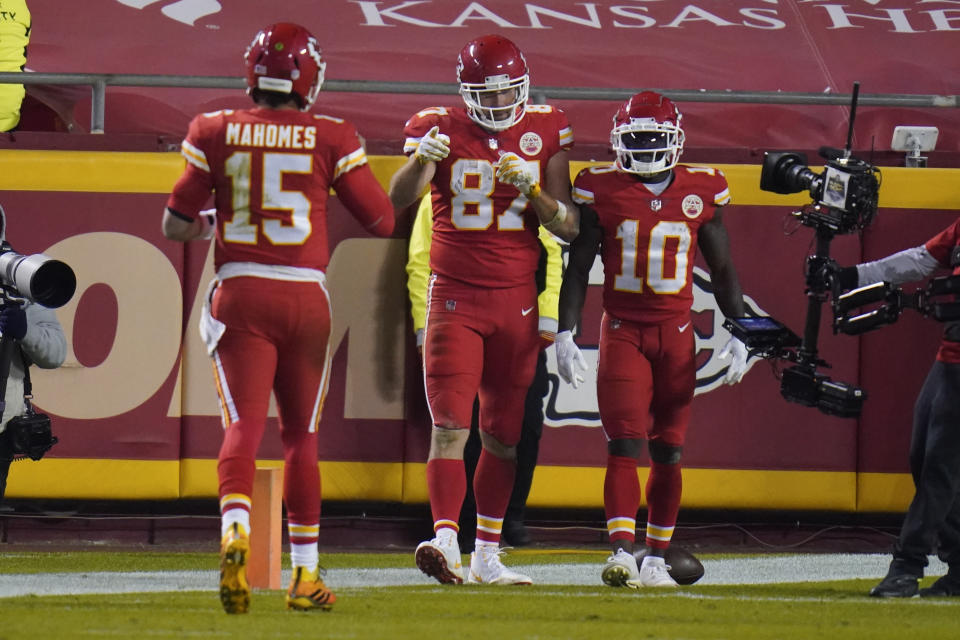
(488,67)
(285,58)
(646,135)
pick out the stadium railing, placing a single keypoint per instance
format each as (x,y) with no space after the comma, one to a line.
(99,83)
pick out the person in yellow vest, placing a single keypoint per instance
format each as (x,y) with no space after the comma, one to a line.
(548,276)
(14,36)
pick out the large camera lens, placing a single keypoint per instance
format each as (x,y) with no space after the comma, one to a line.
(38,277)
(787,172)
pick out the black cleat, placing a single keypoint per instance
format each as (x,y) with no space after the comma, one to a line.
(897,585)
(516,535)
(945,586)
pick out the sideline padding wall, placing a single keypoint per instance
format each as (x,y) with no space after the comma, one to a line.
(136,414)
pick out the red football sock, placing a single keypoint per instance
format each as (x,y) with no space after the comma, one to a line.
(492,485)
(236,461)
(447,486)
(664,486)
(301,477)
(621,498)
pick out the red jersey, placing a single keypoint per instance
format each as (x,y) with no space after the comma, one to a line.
(271,171)
(484,231)
(941,247)
(650,241)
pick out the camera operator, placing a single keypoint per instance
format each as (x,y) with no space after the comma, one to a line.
(933,517)
(29,334)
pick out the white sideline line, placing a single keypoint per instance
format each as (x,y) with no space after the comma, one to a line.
(757,570)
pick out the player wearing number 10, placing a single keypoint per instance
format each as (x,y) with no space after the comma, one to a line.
(648,215)
(267,321)
(484,165)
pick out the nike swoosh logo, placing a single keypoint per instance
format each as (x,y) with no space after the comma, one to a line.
(526,312)
(683,327)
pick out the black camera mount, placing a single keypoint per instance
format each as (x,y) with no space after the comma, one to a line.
(893,300)
(845,200)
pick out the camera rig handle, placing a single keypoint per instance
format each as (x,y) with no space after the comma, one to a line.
(894,300)
(818,287)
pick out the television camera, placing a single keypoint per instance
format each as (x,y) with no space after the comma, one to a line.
(845,199)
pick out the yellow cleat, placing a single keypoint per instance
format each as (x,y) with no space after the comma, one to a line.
(307,591)
(234,588)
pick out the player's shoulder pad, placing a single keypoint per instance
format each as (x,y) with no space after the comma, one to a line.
(698,170)
(425,119)
(600,169)
(542,108)
(430,114)
(217,114)
(333,119)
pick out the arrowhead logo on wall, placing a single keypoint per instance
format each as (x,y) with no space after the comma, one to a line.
(185,11)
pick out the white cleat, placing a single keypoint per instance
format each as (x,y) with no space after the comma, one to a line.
(620,569)
(440,559)
(486,568)
(654,572)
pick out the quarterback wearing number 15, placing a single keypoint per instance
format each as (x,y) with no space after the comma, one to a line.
(266,323)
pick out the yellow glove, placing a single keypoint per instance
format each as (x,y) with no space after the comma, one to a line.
(433,147)
(512,169)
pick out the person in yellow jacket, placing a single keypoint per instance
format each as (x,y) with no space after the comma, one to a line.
(549,275)
(14,36)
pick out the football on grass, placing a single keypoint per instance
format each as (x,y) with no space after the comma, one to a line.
(684,566)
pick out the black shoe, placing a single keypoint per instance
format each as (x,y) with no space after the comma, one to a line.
(897,585)
(516,535)
(944,586)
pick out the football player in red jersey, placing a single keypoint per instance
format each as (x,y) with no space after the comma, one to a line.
(648,215)
(267,322)
(484,164)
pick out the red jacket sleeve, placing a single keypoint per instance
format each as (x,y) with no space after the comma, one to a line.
(191,192)
(363,196)
(943,243)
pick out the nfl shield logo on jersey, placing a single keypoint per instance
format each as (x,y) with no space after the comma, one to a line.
(655,204)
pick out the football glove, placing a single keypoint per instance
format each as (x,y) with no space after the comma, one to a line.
(512,169)
(738,364)
(570,362)
(433,147)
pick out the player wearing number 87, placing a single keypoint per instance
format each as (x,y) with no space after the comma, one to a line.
(266,321)
(648,214)
(496,168)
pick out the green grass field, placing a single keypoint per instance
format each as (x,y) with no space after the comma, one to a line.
(783,611)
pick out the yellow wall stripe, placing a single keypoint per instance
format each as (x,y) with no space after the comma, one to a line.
(582,487)
(95,479)
(382,481)
(156,172)
(879,492)
(901,188)
(555,487)
(89,171)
